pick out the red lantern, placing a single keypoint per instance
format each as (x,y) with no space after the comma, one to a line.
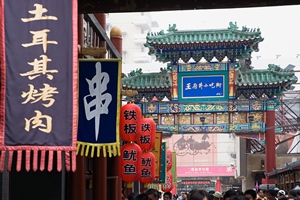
(146,138)
(168,186)
(131,159)
(169,160)
(130,122)
(148,167)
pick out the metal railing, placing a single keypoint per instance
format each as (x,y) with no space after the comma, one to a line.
(95,36)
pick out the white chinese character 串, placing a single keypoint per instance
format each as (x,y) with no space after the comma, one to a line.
(100,100)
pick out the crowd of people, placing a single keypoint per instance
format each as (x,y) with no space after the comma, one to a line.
(198,194)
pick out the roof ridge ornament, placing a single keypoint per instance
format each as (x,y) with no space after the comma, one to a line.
(163,70)
(273,67)
(172,28)
(136,72)
(233,26)
(172,45)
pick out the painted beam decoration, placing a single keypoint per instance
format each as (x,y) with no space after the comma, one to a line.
(222,116)
(212,66)
(99,107)
(205,107)
(213,128)
(38,62)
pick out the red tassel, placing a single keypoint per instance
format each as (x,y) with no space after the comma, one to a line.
(2,161)
(50,161)
(35,160)
(19,160)
(58,153)
(42,163)
(10,158)
(27,160)
(67,160)
(73,161)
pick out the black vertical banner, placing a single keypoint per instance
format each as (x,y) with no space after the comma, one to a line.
(39,76)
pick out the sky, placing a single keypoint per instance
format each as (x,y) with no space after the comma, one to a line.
(279,25)
(280,28)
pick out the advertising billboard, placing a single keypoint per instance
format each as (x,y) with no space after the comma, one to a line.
(203,154)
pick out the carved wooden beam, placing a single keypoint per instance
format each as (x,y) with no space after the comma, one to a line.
(93,51)
(129,93)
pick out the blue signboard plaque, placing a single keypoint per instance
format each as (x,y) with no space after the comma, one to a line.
(203,86)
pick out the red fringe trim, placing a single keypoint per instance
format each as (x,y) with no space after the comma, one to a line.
(67,158)
(37,159)
(19,160)
(2,160)
(73,161)
(50,161)
(42,163)
(59,161)
(27,160)
(10,157)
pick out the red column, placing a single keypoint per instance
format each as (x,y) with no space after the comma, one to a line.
(99,178)
(270,160)
(116,181)
(116,39)
(77,180)
(218,185)
(100,163)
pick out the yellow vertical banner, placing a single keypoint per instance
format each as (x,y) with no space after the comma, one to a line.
(173,169)
(157,153)
(174,85)
(231,83)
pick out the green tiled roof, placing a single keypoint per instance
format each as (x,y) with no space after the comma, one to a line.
(274,75)
(198,44)
(231,34)
(159,80)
